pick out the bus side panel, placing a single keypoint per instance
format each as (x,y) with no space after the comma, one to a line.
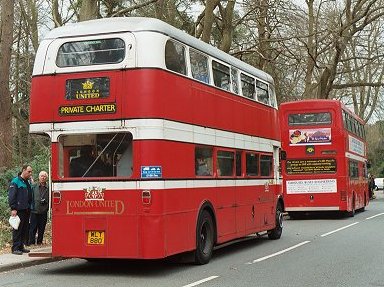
(43,89)
(195,103)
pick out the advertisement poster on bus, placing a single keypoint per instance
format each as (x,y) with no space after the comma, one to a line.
(319,136)
(356,145)
(311,186)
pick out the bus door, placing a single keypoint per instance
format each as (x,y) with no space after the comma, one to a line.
(226,193)
(267,194)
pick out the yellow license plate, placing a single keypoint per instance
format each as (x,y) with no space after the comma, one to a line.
(95,237)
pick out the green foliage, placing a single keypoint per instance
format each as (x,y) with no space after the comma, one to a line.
(375,148)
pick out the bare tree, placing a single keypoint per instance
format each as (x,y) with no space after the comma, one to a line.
(349,21)
(6,41)
(29,13)
(90,9)
(56,16)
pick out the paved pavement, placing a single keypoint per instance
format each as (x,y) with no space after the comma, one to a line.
(37,256)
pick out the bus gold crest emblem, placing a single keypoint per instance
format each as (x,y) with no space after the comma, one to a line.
(94,193)
(87,85)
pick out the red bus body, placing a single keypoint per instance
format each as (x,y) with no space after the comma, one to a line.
(325,167)
(152,209)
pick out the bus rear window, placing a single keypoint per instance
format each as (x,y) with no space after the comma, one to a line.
(309,119)
(96,155)
(92,52)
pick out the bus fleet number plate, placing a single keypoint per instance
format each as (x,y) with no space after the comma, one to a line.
(95,237)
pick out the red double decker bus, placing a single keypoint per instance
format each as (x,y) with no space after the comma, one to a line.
(326,157)
(158,146)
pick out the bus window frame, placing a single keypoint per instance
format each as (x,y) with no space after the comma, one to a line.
(271,169)
(129,60)
(216,161)
(183,65)
(218,71)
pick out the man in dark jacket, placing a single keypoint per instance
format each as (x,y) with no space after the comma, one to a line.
(20,199)
(39,210)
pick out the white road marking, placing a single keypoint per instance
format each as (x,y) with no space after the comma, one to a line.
(278,253)
(375,216)
(201,281)
(331,232)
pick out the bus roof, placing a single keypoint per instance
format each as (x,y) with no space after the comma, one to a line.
(141,24)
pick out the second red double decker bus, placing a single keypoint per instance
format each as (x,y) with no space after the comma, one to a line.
(161,143)
(326,163)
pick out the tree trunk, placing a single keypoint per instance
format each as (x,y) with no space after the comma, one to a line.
(263,34)
(89,10)
(309,92)
(7,16)
(57,19)
(227,27)
(30,15)
(208,19)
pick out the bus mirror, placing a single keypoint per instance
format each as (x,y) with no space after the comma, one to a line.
(283,155)
(369,164)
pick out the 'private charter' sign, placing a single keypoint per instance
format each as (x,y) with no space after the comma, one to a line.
(109,108)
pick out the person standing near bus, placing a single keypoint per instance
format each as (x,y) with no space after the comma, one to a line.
(39,209)
(20,199)
(371,186)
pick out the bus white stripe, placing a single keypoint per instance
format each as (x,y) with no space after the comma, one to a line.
(160,184)
(160,129)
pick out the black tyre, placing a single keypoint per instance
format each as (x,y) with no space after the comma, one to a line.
(278,230)
(204,238)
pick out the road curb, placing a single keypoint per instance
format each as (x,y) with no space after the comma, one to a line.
(24,264)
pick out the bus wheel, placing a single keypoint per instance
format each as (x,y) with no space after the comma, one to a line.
(276,232)
(204,238)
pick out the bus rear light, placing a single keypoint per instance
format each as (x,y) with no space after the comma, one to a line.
(56,197)
(146,197)
(343,195)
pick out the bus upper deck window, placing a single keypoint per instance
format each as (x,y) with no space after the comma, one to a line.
(199,66)
(91,52)
(262,92)
(221,76)
(175,57)
(247,86)
(272,96)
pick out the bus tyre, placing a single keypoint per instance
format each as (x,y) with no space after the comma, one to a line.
(204,238)
(276,232)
